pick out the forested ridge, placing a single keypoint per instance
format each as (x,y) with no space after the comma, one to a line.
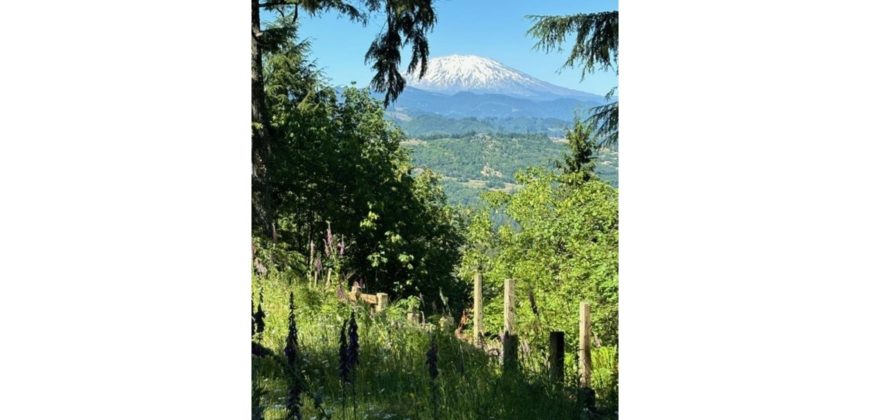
(339,204)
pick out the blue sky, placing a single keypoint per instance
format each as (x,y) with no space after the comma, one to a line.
(489,28)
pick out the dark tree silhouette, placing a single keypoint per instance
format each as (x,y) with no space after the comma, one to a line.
(596,47)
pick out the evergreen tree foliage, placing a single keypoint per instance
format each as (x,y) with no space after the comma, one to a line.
(595,47)
(580,160)
(407,23)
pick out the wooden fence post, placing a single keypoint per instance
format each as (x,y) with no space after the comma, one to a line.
(478,309)
(383,301)
(355,292)
(509,339)
(557,356)
(584,353)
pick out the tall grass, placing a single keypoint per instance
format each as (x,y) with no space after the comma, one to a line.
(391,377)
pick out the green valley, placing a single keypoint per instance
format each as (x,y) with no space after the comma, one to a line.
(476,162)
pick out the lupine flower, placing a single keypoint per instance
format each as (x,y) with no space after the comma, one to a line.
(260,316)
(353,342)
(432,359)
(292,348)
(352,355)
(343,365)
(294,400)
(432,363)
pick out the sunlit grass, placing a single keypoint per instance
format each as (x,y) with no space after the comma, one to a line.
(392,379)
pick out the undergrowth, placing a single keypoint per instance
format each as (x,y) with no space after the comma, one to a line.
(391,378)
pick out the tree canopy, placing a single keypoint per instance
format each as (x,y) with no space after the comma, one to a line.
(558,238)
(407,23)
(595,47)
(344,197)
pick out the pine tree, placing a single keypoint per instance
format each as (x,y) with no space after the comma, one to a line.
(580,159)
(596,47)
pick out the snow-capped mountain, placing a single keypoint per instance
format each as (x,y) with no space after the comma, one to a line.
(470,73)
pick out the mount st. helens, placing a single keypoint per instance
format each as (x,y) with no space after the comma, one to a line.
(470,73)
(462,87)
(476,122)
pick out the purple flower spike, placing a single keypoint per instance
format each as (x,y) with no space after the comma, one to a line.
(329,239)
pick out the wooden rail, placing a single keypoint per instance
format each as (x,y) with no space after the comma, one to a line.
(509,338)
(379,300)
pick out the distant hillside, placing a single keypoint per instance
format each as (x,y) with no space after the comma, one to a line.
(476,122)
(489,105)
(426,124)
(471,164)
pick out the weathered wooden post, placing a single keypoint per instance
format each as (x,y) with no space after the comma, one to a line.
(509,339)
(557,356)
(478,309)
(584,353)
(383,301)
(355,292)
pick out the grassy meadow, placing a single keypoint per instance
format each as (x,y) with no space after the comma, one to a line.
(392,379)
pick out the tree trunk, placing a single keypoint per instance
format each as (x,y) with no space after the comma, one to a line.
(478,309)
(261,194)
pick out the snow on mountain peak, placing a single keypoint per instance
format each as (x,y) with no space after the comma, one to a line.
(471,73)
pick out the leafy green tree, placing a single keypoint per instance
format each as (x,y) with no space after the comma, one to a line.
(596,47)
(559,241)
(337,165)
(407,22)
